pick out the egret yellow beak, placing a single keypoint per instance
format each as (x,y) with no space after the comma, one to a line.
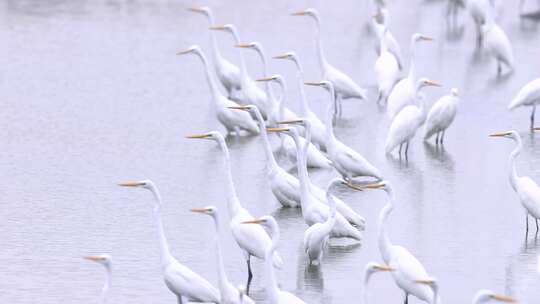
(199,210)
(196,136)
(184,52)
(372,186)
(504,298)
(302,13)
(93,258)
(426,38)
(284,56)
(314,83)
(425,282)
(130,184)
(277,130)
(243,108)
(384,268)
(266,79)
(500,134)
(256,221)
(217,28)
(243,45)
(196,9)
(291,122)
(353,186)
(433,83)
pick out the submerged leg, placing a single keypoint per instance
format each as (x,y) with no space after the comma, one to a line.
(526,225)
(437,138)
(250,274)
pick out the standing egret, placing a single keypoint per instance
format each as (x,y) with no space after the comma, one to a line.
(318,129)
(106,261)
(403,92)
(313,210)
(232,121)
(370,269)
(526,189)
(479,10)
(441,115)
(275,295)
(229,293)
(381,18)
(345,87)
(315,158)
(497,44)
(180,280)
(348,163)
(250,92)
(485,296)
(386,66)
(316,236)
(279,112)
(529,95)
(227,73)
(408,120)
(253,240)
(408,270)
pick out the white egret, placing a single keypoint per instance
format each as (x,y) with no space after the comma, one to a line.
(278,112)
(315,158)
(526,189)
(529,96)
(348,163)
(316,236)
(180,280)
(370,269)
(484,296)
(106,261)
(381,18)
(229,293)
(345,87)
(497,44)
(318,129)
(386,66)
(434,285)
(253,240)
(408,270)
(250,92)
(227,73)
(274,293)
(232,121)
(313,210)
(407,121)
(441,115)
(479,10)
(403,92)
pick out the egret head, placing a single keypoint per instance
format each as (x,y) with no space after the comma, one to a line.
(454,92)
(287,55)
(266,221)
(381,185)
(147,184)
(425,82)
(485,295)
(212,135)
(419,37)
(248,108)
(254,45)
(230,28)
(373,267)
(507,134)
(208,210)
(205,10)
(103,259)
(291,131)
(307,12)
(194,49)
(276,78)
(323,84)
(430,282)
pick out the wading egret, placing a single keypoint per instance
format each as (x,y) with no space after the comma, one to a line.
(318,129)
(313,210)
(315,158)
(345,87)
(381,18)
(386,66)
(370,269)
(275,295)
(403,92)
(233,121)
(529,96)
(408,269)
(180,280)
(106,261)
(441,115)
(497,43)
(227,73)
(229,293)
(479,10)
(348,163)
(485,296)
(251,239)
(526,189)
(250,92)
(407,121)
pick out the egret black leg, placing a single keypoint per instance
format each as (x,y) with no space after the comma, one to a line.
(407,149)
(406,298)
(250,274)
(400,146)
(179,299)
(536,221)
(442,136)
(527,224)
(499,68)
(532,117)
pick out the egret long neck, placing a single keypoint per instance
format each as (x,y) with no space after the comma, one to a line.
(331,220)
(166,256)
(267,86)
(304,106)
(384,241)
(209,76)
(233,203)
(273,289)
(303,176)
(215,48)
(320,52)
(512,160)
(107,285)
(367,276)
(243,69)
(329,116)
(223,280)
(412,67)
(271,161)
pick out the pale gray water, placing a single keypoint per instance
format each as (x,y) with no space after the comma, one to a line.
(92,94)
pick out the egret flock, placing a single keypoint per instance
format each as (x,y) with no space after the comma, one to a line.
(246,107)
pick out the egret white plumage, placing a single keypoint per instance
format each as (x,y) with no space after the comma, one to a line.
(370,269)
(344,85)
(232,121)
(106,261)
(408,121)
(251,239)
(318,129)
(180,280)
(250,92)
(228,293)
(479,10)
(434,285)
(441,115)
(313,210)
(349,163)
(315,158)
(227,73)
(527,190)
(381,18)
(403,92)
(497,44)
(274,293)
(386,66)
(408,270)
(484,296)
(528,96)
